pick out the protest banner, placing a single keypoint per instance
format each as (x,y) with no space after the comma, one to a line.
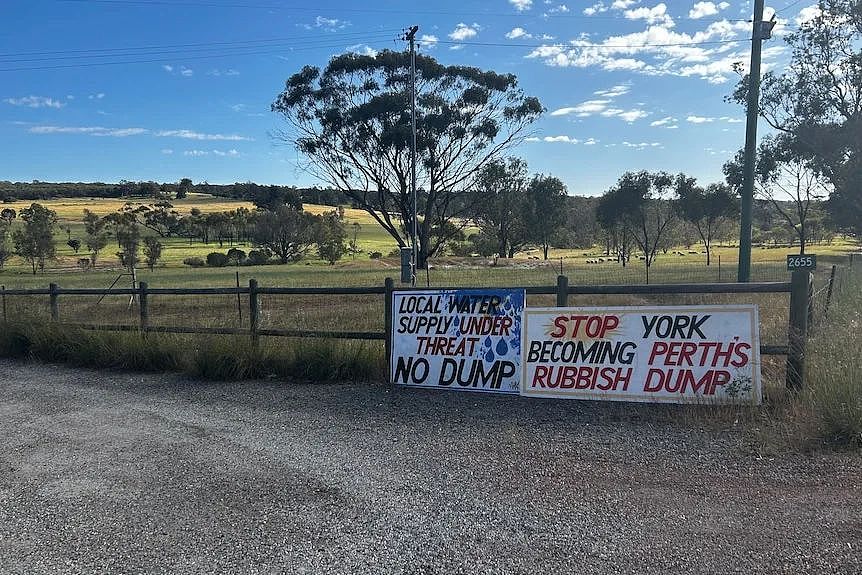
(467,340)
(671,354)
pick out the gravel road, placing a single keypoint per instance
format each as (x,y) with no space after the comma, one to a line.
(129,473)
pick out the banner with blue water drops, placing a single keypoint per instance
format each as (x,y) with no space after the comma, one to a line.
(466,339)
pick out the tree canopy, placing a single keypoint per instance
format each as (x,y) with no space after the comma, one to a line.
(817,103)
(351,121)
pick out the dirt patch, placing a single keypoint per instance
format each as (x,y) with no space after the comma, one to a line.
(146,473)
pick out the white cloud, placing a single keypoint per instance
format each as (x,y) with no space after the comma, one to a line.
(703,9)
(363,49)
(601,107)
(187,72)
(227,72)
(191,135)
(220,153)
(807,14)
(623,4)
(35,102)
(521,5)
(562,140)
(700,120)
(583,109)
(167,151)
(616,91)
(89,130)
(463,31)
(659,51)
(632,115)
(731,120)
(98,96)
(167,68)
(596,8)
(328,24)
(429,40)
(518,33)
(668,122)
(238,107)
(642,145)
(561,9)
(655,15)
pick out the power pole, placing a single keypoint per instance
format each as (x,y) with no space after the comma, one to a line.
(410,36)
(760,31)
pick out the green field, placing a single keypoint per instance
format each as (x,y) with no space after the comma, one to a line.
(525,269)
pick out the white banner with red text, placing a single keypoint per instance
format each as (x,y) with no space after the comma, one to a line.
(670,354)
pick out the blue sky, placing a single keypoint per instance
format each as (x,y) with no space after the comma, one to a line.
(103,90)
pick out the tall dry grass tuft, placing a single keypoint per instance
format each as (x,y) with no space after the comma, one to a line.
(833,397)
(214,358)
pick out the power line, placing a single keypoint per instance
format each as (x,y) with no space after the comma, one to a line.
(789,6)
(160,60)
(205,4)
(183,51)
(335,36)
(570,46)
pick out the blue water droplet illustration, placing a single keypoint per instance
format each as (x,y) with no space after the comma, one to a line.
(489,356)
(502,348)
(457,320)
(488,341)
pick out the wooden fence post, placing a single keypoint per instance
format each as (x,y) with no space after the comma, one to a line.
(253,311)
(389,284)
(143,302)
(55,302)
(829,291)
(810,324)
(3,292)
(562,290)
(801,283)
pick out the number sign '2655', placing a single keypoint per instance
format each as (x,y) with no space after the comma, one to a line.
(466,340)
(801,262)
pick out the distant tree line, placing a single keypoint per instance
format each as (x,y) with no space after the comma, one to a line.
(247,191)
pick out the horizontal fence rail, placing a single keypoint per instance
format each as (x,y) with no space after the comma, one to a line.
(799,288)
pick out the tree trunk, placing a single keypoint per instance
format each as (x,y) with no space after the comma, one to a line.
(545,248)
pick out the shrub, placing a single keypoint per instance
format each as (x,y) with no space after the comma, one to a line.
(258,257)
(236,255)
(194,262)
(375,255)
(217,260)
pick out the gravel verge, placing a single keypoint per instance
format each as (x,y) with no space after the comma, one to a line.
(129,473)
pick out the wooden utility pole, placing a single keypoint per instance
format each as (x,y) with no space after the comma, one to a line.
(760,31)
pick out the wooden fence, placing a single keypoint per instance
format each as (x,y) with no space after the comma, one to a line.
(800,289)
